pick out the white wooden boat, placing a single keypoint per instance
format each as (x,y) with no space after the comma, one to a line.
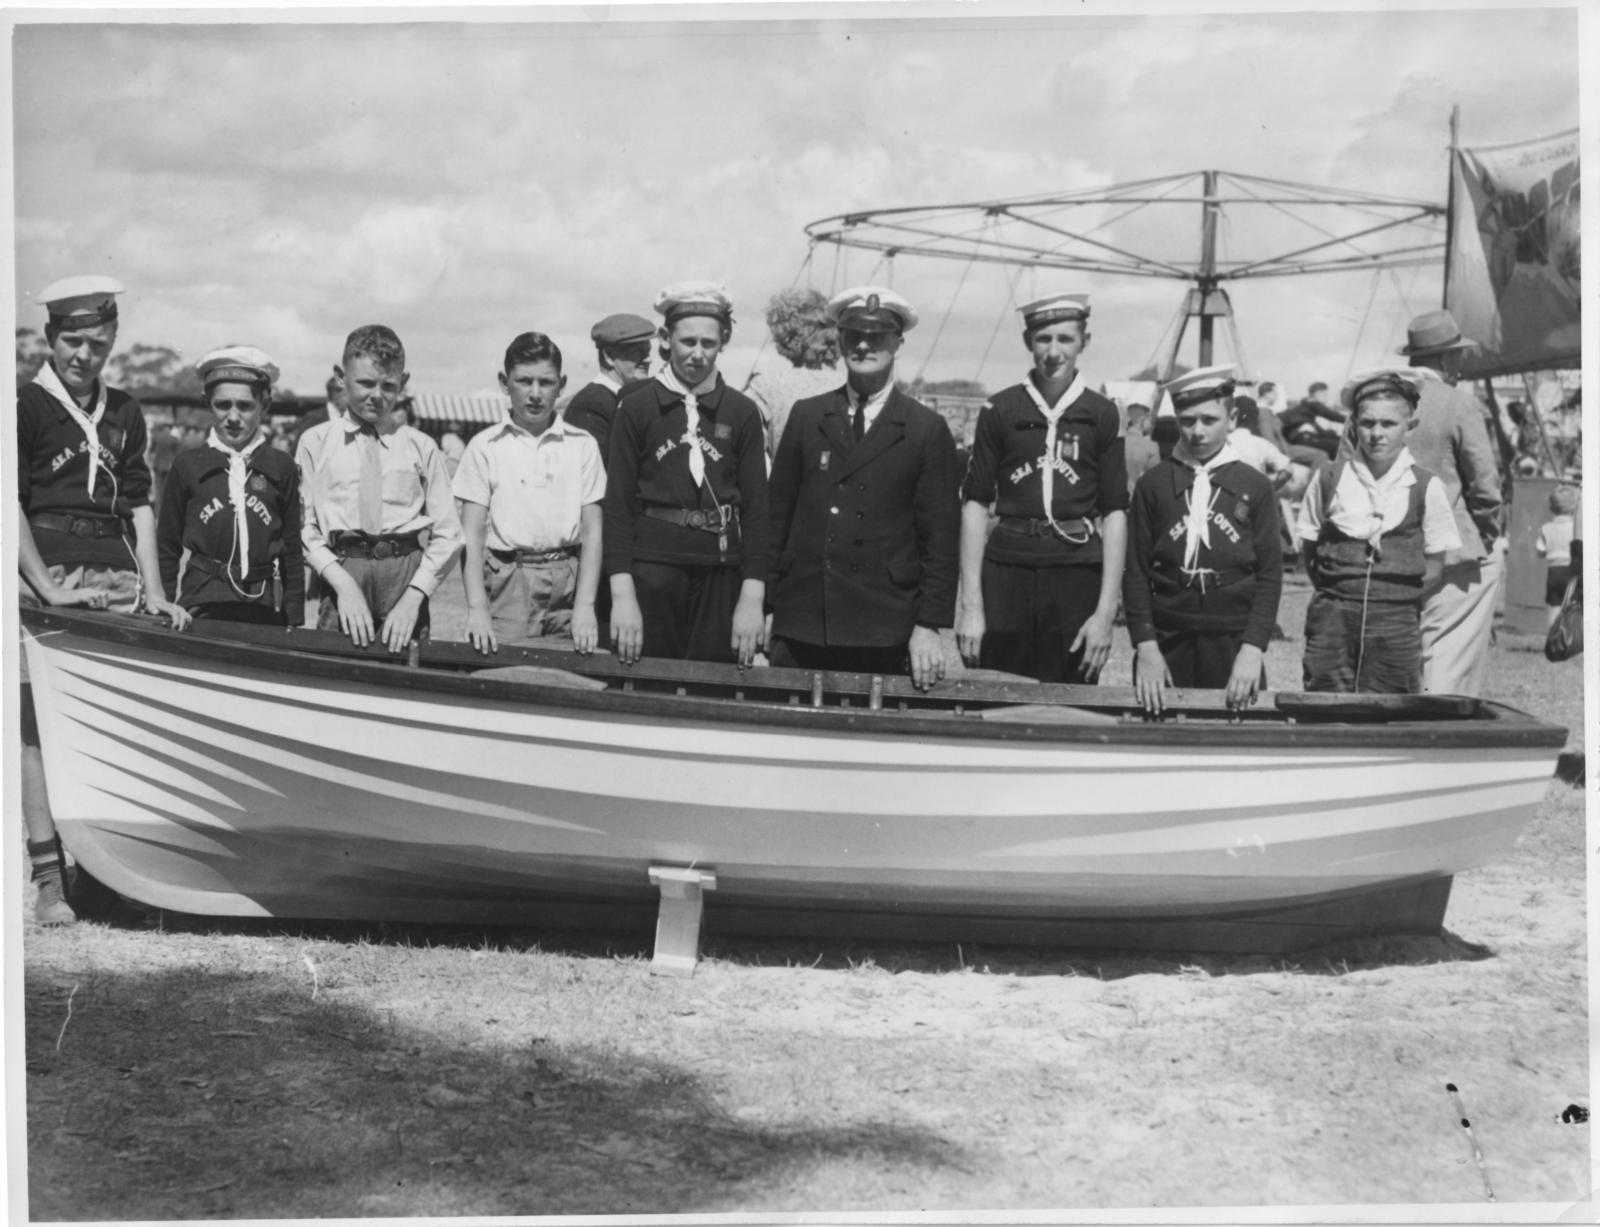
(242,771)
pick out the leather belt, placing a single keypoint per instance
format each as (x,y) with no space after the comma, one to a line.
(1067,529)
(537,556)
(220,570)
(706,521)
(78,526)
(388,545)
(1203,578)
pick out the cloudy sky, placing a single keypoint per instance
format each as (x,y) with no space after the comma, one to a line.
(283,183)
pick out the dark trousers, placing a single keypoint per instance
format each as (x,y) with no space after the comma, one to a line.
(1031,616)
(1372,647)
(239,611)
(687,611)
(383,582)
(1200,660)
(797,654)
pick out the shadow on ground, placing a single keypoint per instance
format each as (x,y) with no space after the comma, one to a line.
(190,1094)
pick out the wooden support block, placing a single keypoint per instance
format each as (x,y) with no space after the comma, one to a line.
(678,921)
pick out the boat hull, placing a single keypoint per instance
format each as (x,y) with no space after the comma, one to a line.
(260,784)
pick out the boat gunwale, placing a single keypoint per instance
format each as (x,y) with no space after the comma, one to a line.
(1496,726)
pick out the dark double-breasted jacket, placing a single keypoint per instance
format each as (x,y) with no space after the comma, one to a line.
(865,535)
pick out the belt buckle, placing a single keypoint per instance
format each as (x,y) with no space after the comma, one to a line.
(82,528)
(697,519)
(383,549)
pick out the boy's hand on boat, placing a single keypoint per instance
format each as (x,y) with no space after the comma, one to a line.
(480,631)
(1245,679)
(927,657)
(90,598)
(749,627)
(627,626)
(176,614)
(970,627)
(1094,637)
(401,623)
(585,629)
(1151,677)
(355,619)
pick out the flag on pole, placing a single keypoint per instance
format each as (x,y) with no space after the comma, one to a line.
(1513,276)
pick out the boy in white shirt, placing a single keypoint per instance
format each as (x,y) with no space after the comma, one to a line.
(530,492)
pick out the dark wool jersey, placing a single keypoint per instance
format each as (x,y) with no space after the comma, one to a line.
(1090,480)
(53,471)
(594,408)
(649,466)
(196,515)
(1245,557)
(1345,567)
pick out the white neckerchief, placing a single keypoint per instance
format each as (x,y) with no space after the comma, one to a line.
(1369,522)
(238,470)
(1052,417)
(1197,523)
(89,423)
(607,380)
(691,407)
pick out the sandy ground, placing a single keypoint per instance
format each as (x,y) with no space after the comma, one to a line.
(183,1069)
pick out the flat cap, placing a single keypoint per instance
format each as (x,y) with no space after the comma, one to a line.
(695,298)
(872,308)
(81,302)
(620,329)
(1204,383)
(1434,332)
(237,364)
(1391,381)
(1042,311)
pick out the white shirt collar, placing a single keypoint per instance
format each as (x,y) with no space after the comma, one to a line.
(607,380)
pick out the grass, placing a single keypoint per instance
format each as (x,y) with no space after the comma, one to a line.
(214,1069)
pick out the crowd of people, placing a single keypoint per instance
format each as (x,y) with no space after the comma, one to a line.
(826,525)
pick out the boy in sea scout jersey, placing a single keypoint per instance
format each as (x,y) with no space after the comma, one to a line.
(1375,527)
(86,535)
(686,527)
(234,504)
(1205,561)
(1040,596)
(865,519)
(530,491)
(369,488)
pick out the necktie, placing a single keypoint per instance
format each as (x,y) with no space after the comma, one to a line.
(371,505)
(860,424)
(691,438)
(238,470)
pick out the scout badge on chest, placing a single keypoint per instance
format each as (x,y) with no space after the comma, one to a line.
(258,483)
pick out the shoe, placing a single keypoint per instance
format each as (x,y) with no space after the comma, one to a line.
(50,906)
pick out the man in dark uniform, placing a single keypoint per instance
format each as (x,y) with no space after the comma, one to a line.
(86,535)
(1040,596)
(622,347)
(686,527)
(865,521)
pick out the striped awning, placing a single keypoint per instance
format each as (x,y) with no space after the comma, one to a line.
(469,410)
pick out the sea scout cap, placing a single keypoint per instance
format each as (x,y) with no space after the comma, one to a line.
(872,308)
(81,302)
(237,364)
(1205,383)
(1434,332)
(695,298)
(1057,307)
(1397,381)
(621,329)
